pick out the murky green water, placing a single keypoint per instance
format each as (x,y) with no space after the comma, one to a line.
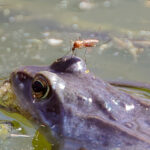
(36,32)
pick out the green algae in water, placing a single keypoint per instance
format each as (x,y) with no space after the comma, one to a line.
(20,129)
(39,142)
(7,98)
(5,130)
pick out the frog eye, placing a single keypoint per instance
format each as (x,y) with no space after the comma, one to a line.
(40,88)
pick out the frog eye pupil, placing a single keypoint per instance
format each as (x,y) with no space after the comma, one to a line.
(38,87)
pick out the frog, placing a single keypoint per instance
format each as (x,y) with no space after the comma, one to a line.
(81,111)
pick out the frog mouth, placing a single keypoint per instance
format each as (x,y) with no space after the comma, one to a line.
(8,99)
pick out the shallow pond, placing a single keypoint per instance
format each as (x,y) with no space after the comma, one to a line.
(38,32)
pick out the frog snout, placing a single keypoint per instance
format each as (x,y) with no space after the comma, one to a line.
(17,78)
(20,80)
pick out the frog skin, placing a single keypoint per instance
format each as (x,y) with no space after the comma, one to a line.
(82,111)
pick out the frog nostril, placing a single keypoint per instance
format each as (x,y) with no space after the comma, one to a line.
(21,76)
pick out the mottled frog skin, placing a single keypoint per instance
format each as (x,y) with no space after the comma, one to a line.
(82,111)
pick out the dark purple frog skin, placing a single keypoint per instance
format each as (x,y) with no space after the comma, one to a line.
(85,112)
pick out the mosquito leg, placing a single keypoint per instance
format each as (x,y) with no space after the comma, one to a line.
(85,55)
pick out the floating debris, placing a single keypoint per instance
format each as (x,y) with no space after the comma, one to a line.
(5,130)
(128,45)
(86,5)
(142,43)
(20,135)
(55,42)
(104,47)
(134,47)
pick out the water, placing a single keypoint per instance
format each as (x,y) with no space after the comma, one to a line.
(38,32)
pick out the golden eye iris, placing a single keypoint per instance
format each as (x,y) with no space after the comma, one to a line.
(40,88)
